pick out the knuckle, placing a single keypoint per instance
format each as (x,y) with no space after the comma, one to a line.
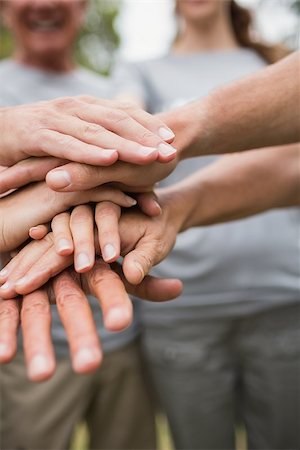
(60,219)
(36,307)
(68,300)
(100,274)
(93,129)
(105,210)
(127,106)
(85,98)
(79,218)
(148,136)
(145,259)
(118,116)
(66,102)
(9,312)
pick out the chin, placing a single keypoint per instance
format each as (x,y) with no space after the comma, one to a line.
(196,10)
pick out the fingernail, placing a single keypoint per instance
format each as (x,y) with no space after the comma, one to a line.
(166,150)
(21,281)
(147,150)
(108,153)
(140,269)
(39,365)
(64,244)
(166,133)
(6,286)
(83,261)
(158,206)
(59,178)
(4,350)
(131,201)
(3,273)
(84,357)
(109,252)
(115,317)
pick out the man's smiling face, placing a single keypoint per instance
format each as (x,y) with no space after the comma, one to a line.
(44,27)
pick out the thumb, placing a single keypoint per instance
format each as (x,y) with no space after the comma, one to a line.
(138,262)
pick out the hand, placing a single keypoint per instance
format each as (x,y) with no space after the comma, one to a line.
(37,204)
(76,316)
(85,130)
(144,242)
(68,177)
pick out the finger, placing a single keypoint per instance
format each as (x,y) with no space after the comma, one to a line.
(78,177)
(68,147)
(107,286)
(74,176)
(109,136)
(150,122)
(47,267)
(34,266)
(148,204)
(151,288)
(39,232)
(135,142)
(62,235)
(27,171)
(36,331)
(82,229)
(107,217)
(9,324)
(138,263)
(77,319)
(21,264)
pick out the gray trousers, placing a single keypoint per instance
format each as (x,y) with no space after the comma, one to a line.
(207,373)
(113,401)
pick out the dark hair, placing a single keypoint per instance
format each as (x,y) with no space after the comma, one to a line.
(241,19)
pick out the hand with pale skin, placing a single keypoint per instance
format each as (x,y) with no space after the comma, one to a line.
(207,197)
(36,204)
(209,126)
(69,291)
(83,129)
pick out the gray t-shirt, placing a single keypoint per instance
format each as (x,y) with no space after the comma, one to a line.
(227,269)
(20,84)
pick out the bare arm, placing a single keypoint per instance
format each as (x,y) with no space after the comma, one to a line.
(261,110)
(241,185)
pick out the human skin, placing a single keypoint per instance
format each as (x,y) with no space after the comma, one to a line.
(241,116)
(69,291)
(85,130)
(37,204)
(207,197)
(91,131)
(261,110)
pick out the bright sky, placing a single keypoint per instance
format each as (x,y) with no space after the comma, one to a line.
(147,26)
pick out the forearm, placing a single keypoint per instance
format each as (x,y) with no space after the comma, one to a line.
(239,186)
(261,110)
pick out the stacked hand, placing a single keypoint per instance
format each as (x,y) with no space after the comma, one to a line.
(76,138)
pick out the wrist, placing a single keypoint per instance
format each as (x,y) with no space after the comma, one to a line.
(176,205)
(193,126)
